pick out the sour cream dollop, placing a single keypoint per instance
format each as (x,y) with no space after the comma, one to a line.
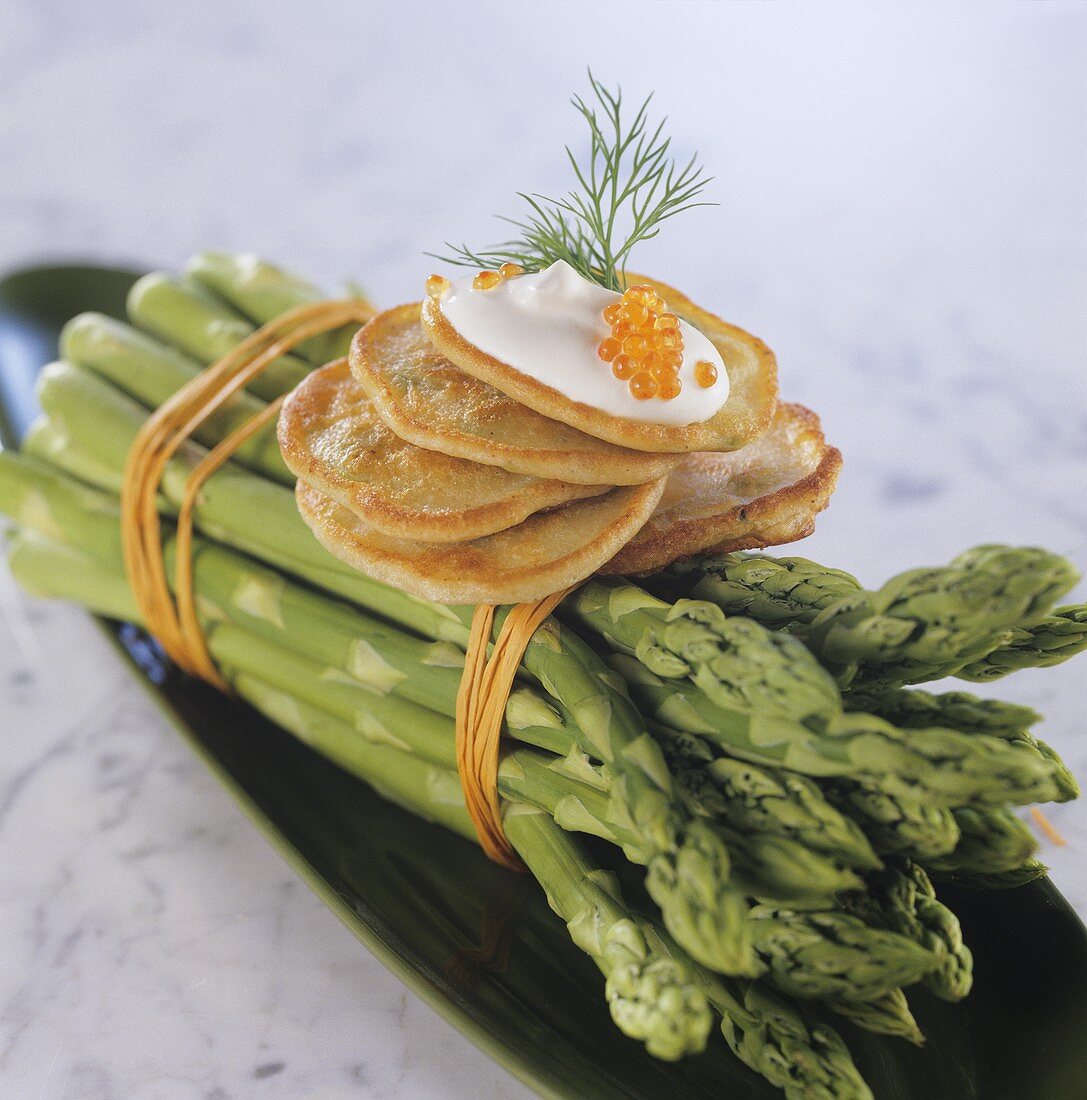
(549,324)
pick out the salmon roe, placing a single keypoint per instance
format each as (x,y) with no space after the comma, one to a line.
(643,385)
(645,347)
(705,373)
(508,271)
(485,280)
(437,285)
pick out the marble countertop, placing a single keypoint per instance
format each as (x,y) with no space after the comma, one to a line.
(901,219)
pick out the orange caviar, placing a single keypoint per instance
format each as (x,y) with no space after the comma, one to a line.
(485,280)
(437,285)
(622,367)
(705,373)
(508,271)
(643,385)
(645,347)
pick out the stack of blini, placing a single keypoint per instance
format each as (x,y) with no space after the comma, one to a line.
(428,465)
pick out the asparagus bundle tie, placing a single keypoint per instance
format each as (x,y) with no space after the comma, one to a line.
(177,626)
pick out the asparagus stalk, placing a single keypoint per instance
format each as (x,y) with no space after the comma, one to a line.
(323,710)
(46,568)
(240,509)
(750,800)
(818,954)
(888,1014)
(652,995)
(781,593)
(262,292)
(333,656)
(772,861)
(999,880)
(767,1034)
(803,1057)
(903,899)
(991,841)
(47,441)
(921,625)
(566,786)
(960,710)
(1050,641)
(761,800)
(179,310)
(687,865)
(150,373)
(761,696)
(896,824)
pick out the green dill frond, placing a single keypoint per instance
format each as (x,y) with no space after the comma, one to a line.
(627,189)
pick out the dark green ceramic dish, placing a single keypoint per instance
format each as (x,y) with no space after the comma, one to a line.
(480,945)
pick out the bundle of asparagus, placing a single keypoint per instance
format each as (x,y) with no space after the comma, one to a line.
(736,729)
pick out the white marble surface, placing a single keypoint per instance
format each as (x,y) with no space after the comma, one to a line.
(902,219)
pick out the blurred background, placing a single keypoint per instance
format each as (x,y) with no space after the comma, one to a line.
(902,218)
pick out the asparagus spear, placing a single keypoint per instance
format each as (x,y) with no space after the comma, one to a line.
(811,947)
(687,865)
(962,711)
(47,440)
(833,954)
(803,1057)
(991,841)
(755,800)
(184,313)
(767,1034)
(566,785)
(761,696)
(958,710)
(781,593)
(150,372)
(772,801)
(262,292)
(251,514)
(652,995)
(896,824)
(921,625)
(888,1014)
(787,849)
(649,987)
(999,880)
(1060,635)
(903,899)
(377,719)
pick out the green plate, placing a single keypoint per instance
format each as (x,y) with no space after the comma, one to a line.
(480,945)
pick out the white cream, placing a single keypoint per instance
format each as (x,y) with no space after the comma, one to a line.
(548,326)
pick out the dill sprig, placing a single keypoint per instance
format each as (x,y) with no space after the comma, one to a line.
(629,181)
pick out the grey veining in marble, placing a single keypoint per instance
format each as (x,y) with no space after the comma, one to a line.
(902,219)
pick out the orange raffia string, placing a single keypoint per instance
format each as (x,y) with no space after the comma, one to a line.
(176,625)
(1047,827)
(481,706)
